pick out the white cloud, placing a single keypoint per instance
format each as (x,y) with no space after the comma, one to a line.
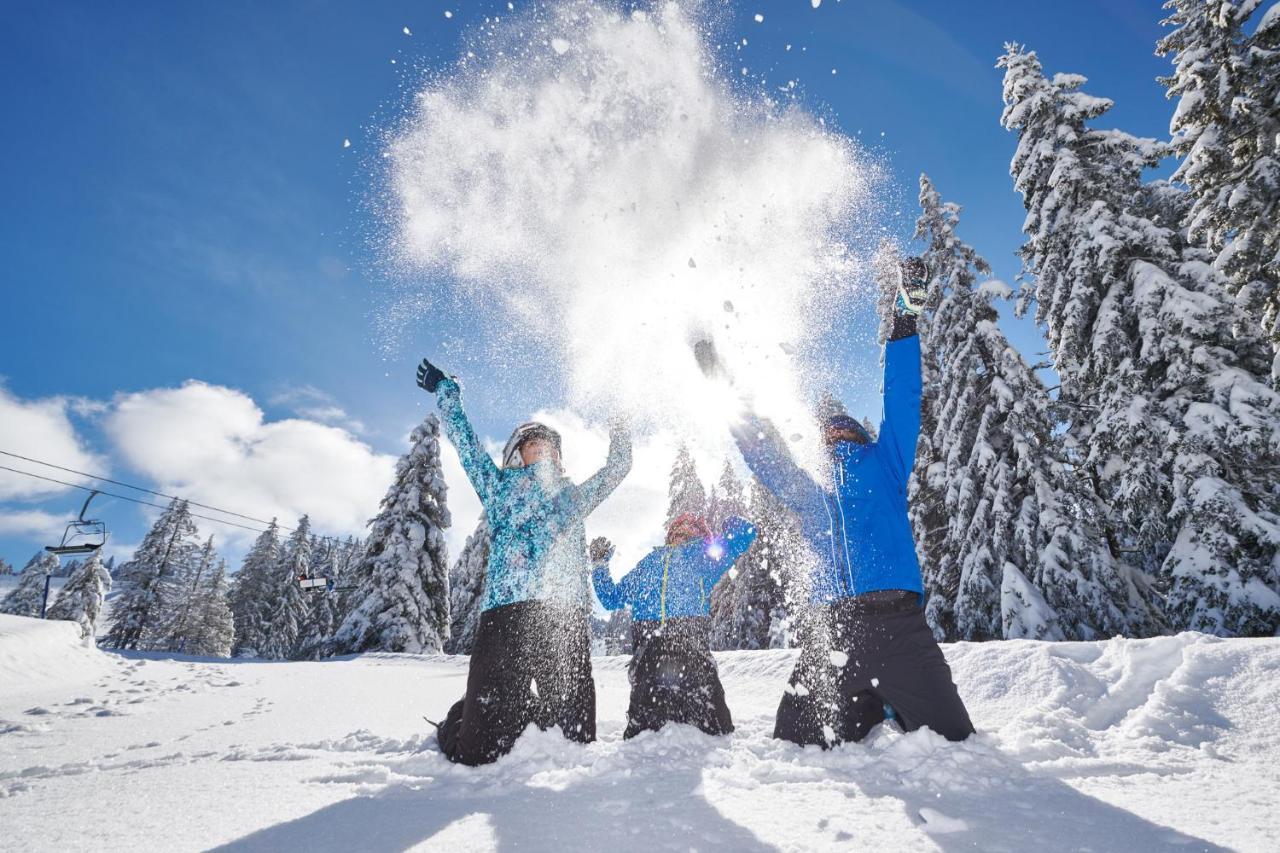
(311,403)
(212,444)
(41,429)
(33,523)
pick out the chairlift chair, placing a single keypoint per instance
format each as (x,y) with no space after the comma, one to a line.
(82,536)
(314,585)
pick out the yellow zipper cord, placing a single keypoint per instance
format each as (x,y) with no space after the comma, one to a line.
(666,561)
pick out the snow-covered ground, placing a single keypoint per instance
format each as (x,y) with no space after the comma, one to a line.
(1170,743)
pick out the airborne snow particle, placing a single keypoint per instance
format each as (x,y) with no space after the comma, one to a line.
(692,265)
(833,71)
(559,46)
(346,143)
(828,734)
(728,306)
(759,18)
(448,14)
(875,682)
(839,659)
(815,3)
(406,31)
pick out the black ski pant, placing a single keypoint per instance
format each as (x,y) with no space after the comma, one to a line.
(674,677)
(859,655)
(531,663)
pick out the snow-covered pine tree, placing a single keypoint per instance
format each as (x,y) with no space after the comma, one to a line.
(170,545)
(67,569)
(685,490)
(730,501)
(403,596)
(181,593)
(466,590)
(995,506)
(27,597)
(289,601)
(759,584)
(210,626)
(253,592)
(5,568)
(82,595)
(617,633)
(323,617)
(1226,129)
(1174,425)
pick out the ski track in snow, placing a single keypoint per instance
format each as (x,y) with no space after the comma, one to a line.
(1168,743)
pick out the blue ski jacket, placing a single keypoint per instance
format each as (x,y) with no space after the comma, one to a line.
(675,580)
(857,525)
(537,542)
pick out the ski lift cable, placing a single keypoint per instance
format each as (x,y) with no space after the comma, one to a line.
(131,486)
(125,497)
(333,539)
(279,526)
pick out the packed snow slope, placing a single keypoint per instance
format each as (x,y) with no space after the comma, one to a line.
(1168,743)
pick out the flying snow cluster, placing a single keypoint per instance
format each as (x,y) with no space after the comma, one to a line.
(588,179)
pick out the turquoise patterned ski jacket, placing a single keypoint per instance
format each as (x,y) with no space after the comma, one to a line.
(675,580)
(537,541)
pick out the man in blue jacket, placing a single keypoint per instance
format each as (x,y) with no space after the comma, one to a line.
(531,661)
(868,654)
(673,675)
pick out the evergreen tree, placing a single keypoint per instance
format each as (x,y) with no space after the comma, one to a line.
(756,592)
(686,492)
(288,599)
(5,568)
(466,590)
(253,592)
(82,595)
(994,506)
(730,501)
(1174,426)
(403,596)
(210,626)
(27,598)
(169,546)
(323,617)
(617,633)
(181,591)
(1226,129)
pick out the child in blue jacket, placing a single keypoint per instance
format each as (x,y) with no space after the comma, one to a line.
(673,675)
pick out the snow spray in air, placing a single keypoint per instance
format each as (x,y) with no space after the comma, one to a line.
(586,174)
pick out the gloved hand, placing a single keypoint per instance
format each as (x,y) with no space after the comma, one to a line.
(429,376)
(601,550)
(913,287)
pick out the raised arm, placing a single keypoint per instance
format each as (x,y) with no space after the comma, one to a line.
(480,468)
(613,596)
(768,458)
(726,548)
(900,424)
(601,484)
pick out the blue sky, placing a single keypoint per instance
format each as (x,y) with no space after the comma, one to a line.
(179,203)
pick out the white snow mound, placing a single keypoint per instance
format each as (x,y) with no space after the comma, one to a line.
(1167,743)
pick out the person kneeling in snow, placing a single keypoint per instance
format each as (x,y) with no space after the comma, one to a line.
(868,652)
(531,662)
(673,676)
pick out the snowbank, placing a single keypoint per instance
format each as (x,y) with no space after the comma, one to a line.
(1140,744)
(38,655)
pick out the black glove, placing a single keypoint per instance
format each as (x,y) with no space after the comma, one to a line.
(429,376)
(601,550)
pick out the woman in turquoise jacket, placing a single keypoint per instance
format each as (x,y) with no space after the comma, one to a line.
(673,675)
(531,660)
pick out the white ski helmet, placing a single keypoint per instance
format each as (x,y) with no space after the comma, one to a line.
(526,432)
